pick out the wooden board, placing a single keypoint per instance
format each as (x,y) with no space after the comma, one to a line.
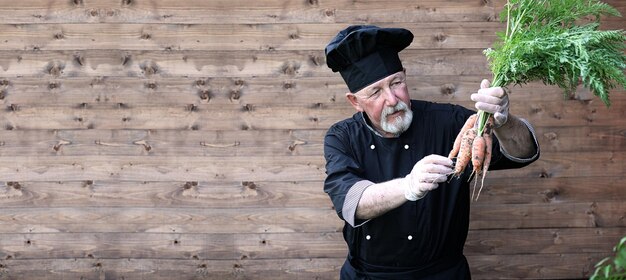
(115,92)
(213,37)
(184,139)
(34,62)
(262,117)
(241,11)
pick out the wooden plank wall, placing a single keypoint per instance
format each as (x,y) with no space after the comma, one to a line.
(183,140)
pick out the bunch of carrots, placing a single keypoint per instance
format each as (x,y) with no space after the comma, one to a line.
(557,42)
(473,145)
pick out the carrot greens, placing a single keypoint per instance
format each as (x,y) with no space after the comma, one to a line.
(559,43)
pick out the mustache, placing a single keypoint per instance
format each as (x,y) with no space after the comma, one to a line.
(400,106)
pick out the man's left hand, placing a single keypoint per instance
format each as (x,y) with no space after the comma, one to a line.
(494,100)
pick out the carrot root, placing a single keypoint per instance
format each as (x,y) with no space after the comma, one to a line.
(488,145)
(464,152)
(469,123)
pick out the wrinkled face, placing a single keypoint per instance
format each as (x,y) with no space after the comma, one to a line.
(386,103)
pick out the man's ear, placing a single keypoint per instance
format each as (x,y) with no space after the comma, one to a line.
(354,102)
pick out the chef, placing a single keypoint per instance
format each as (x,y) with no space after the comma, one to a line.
(387,170)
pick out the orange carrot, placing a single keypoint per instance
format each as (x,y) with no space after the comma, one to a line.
(464,151)
(478,153)
(471,122)
(478,156)
(488,146)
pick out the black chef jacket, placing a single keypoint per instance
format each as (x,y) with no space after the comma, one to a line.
(418,240)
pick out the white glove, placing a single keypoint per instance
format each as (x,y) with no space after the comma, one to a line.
(426,176)
(494,100)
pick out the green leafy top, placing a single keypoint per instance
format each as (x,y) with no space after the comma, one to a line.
(559,43)
(612,268)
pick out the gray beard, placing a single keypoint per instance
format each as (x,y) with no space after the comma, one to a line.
(399,124)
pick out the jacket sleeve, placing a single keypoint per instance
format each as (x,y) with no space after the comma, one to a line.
(344,181)
(503,160)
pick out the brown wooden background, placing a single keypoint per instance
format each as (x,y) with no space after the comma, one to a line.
(145,139)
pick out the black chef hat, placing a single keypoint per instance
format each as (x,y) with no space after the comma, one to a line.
(364,54)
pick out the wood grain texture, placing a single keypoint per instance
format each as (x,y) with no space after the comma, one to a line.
(534,266)
(303,91)
(129,219)
(264,116)
(190,194)
(241,11)
(306,168)
(213,37)
(223,143)
(96,268)
(34,62)
(184,140)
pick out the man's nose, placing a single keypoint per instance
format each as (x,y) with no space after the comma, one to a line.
(390,97)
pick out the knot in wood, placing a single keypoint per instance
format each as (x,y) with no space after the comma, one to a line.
(126,59)
(93,12)
(318,105)
(149,68)
(290,68)
(248,108)
(151,85)
(448,89)
(316,60)
(249,184)
(440,37)
(235,94)
(205,94)
(288,85)
(192,108)
(550,194)
(55,68)
(534,109)
(239,82)
(15,185)
(53,85)
(551,136)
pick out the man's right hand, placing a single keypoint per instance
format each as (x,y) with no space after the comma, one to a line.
(426,176)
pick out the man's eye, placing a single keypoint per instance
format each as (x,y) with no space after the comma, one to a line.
(374,93)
